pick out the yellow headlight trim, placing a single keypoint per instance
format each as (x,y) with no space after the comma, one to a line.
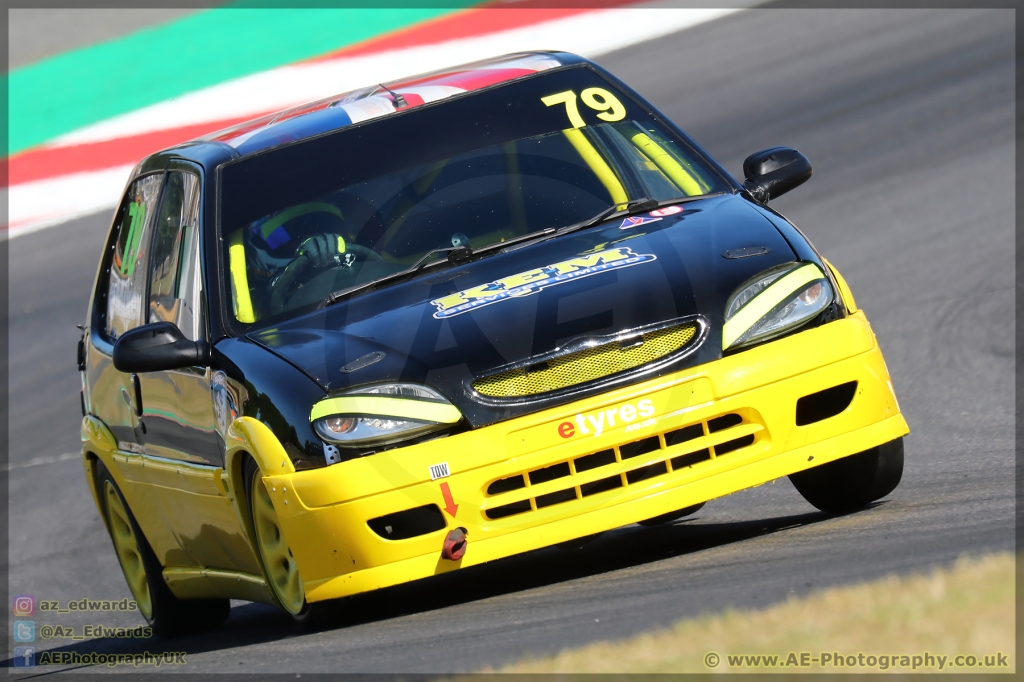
(778,291)
(386,406)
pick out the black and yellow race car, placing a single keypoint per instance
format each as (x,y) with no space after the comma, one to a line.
(445,320)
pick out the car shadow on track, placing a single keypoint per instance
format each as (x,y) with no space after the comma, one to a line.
(619,549)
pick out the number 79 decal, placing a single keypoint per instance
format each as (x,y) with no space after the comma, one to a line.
(597,99)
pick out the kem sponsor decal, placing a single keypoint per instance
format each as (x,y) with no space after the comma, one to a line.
(532,281)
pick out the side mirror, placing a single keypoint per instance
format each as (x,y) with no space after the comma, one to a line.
(157,347)
(773,172)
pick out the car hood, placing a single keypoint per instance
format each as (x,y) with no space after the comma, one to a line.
(621,275)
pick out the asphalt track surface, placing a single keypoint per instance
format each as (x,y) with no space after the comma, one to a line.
(35,34)
(907,116)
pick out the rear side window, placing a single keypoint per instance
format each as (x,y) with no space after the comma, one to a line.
(179,211)
(126,285)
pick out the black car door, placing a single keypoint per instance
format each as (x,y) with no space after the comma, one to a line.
(118,306)
(183,432)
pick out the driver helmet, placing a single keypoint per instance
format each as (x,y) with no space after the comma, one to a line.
(281,233)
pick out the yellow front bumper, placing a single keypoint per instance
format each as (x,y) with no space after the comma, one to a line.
(324,512)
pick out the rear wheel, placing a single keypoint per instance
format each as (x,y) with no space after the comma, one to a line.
(279,565)
(166,614)
(852,482)
(672,516)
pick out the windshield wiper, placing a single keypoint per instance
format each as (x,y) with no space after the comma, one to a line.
(457,255)
(633,207)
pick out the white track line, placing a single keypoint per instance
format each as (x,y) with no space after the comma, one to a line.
(43,203)
(36,461)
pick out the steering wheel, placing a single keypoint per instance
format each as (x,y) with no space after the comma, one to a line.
(286,282)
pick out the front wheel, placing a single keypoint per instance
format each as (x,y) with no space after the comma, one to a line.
(165,613)
(852,482)
(279,565)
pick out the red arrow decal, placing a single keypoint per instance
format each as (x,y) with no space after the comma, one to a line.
(449,503)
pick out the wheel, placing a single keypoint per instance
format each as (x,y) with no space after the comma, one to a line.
(852,482)
(279,565)
(165,613)
(672,516)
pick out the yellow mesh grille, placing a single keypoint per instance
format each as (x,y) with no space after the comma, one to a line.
(586,365)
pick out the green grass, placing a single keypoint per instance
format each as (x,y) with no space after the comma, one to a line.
(966,609)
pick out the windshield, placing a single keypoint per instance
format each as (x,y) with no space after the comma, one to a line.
(344,212)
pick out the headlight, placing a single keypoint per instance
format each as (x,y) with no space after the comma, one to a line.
(774,302)
(378,415)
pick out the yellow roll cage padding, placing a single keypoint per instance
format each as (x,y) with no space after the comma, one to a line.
(597,164)
(295,211)
(667,165)
(405,205)
(774,294)
(387,406)
(241,299)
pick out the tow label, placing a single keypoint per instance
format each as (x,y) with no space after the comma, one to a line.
(439,471)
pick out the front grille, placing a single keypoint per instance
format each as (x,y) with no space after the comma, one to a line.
(657,455)
(589,364)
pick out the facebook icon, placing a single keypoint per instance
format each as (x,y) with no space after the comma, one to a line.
(24,656)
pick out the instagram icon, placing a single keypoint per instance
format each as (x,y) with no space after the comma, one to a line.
(24,605)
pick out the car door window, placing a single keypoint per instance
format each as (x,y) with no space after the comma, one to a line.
(173,253)
(126,286)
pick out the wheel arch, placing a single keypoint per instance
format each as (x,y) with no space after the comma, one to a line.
(90,460)
(98,447)
(249,439)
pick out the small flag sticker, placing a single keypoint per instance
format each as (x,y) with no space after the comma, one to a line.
(634,220)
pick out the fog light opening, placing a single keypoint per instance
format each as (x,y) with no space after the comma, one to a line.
(824,404)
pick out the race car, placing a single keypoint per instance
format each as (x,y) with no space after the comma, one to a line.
(440,321)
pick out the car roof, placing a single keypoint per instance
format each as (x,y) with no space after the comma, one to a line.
(377,100)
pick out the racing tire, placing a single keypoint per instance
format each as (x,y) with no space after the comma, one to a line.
(279,566)
(165,613)
(852,482)
(672,516)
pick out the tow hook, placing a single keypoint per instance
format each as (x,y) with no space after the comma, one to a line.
(455,544)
